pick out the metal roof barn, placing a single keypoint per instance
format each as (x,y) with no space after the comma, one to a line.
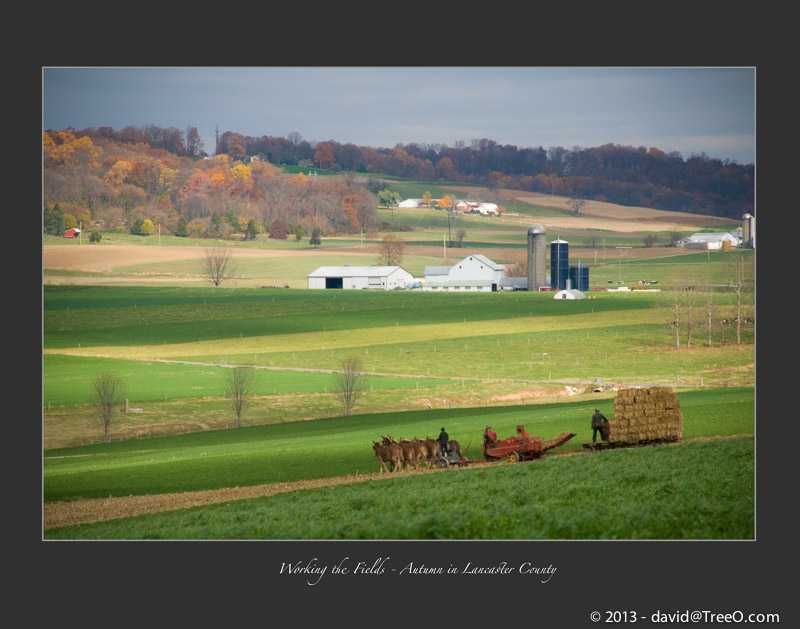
(360,277)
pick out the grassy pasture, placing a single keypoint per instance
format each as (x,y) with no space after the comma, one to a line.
(456,351)
(69,380)
(442,335)
(701,490)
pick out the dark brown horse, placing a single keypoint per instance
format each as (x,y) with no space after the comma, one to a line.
(392,453)
(454,447)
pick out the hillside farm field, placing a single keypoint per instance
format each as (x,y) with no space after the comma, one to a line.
(271,460)
(300,468)
(430,359)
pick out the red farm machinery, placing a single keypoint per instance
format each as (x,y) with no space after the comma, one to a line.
(519,447)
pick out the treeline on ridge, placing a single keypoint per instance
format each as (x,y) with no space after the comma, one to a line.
(163,175)
(617,174)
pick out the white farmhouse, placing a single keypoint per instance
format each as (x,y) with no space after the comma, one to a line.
(360,277)
(487,209)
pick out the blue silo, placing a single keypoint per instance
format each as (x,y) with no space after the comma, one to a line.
(579,276)
(559,264)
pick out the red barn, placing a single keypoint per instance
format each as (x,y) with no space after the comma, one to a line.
(72,233)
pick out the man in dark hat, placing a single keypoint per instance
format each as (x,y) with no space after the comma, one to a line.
(597,425)
(443,440)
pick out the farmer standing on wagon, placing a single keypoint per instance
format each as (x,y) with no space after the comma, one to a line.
(597,425)
(444,438)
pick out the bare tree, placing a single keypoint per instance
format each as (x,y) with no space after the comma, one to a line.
(690,301)
(109,393)
(239,390)
(217,264)
(350,382)
(517,265)
(576,203)
(741,283)
(392,249)
(709,310)
(673,306)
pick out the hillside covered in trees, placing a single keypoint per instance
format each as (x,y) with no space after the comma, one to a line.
(138,179)
(162,176)
(612,173)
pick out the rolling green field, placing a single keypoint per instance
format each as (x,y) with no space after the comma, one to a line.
(430,359)
(172,346)
(692,491)
(337,446)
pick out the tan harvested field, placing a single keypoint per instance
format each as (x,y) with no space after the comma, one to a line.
(608,216)
(107,258)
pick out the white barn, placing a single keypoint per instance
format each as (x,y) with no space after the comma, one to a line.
(474,273)
(411,203)
(360,277)
(710,240)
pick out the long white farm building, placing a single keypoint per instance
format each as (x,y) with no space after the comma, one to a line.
(710,240)
(360,277)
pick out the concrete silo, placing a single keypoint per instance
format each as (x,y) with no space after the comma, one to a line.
(748,231)
(537,246)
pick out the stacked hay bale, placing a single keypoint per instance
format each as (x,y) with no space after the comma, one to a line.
(646,413)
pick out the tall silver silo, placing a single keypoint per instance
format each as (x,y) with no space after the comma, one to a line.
(537,247)
(748,231)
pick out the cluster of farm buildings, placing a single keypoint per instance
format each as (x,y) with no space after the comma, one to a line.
(480,207)
(476,272)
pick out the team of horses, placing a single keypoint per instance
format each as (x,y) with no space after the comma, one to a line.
(398,455)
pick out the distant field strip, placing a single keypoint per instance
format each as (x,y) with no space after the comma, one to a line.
(326,340)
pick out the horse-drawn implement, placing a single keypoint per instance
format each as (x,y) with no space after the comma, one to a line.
(416,452)
(519,447)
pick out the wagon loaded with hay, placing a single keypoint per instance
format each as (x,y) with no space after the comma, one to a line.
(643,416)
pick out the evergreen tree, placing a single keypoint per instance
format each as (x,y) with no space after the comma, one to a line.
(182,228)
(316,238)
(216,223)
(137,226)
(251,231)
(53,221)
(231,218)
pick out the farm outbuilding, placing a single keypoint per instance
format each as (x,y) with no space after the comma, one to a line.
(710,240)
(72,233)
(411,203)
(360,277)
(481,207)
(569,293)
